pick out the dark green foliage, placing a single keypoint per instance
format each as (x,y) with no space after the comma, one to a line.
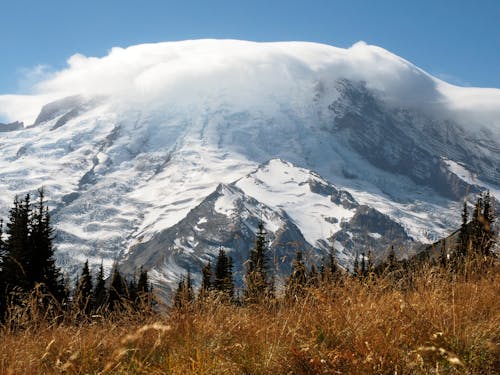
(206,279)
(443,255)
(82,296)
(28,254)
(223,275)
(143,286)
(356,272)
(363,271)
(184,294)
(463,236)
(297,280)
(258,283)
(43,267)
(99,293)
(313,276)
(17,262)
(117,292)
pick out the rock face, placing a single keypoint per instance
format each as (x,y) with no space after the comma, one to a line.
(175,159)
(409,143)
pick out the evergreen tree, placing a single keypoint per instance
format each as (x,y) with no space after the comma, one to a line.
(2,283)
(370,266)
(443,256)
(117,289)
(17,260)
(313,277)
(463,235)
(297,280)
(43,269)
(180,299)
(477,224)
(83,291)
(258,285)
(28,251)
(363,271)
(2,244)
(206,279)
(184,295)
(100,292)
(392,261)
(489,218)
(131,292)
(143,286)
(144,290)
(355,270)
(223,280)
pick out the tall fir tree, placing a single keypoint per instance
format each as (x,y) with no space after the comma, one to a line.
(206,280)
(463,235)
(355,269)
(258,283)
(297,281)
(17,260)
(83,291)
(99,293)
(143,286)
(117,291)
(43,268)
(223,275)
(184,295)
(489,218)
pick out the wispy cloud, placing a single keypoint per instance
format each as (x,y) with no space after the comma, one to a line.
(30,77)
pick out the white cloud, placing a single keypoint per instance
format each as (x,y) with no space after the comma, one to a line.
(29,77)
(245,74)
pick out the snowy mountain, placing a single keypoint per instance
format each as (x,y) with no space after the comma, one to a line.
(159,154)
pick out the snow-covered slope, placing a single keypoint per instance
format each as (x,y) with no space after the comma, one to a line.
(128,145)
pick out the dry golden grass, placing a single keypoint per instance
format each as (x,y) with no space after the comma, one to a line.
(442,325)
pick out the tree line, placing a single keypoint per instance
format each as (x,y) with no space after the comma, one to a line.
(473,246)
(27,266)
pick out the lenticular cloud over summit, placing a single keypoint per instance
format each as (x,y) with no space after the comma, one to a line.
(247,75)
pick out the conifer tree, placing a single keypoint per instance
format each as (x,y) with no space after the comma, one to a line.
(463,236)
(363,270)
(356,271)
(443,256)
(28,251)
(223,278)
(184,294)
(313,277)
(83,291)
(43,267)
(391,260)
(2,283)
(143,287)
(297,280)
(17,259)
(477,224)
(99,292)
(258,285)
(489,218)
(370,266)
(117,289)
(206,279)
(180,299)
(144,290)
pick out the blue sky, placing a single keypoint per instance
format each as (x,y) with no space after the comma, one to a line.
(458,41)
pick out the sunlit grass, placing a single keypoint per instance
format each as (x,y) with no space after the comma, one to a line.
(441,324)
